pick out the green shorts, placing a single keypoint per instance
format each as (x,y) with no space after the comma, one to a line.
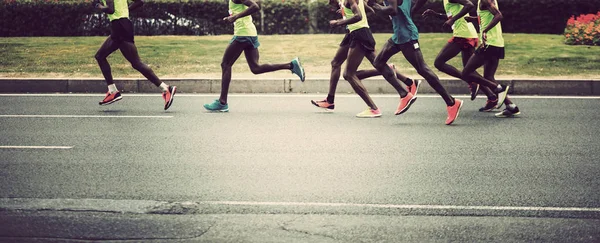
(252,40)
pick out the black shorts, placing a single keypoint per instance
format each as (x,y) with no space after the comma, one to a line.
(121,30)
(361,37)
(490,52)
(413,44)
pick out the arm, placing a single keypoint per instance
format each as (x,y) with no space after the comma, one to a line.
(467,7)
(136,4)
(357,16)
(109,8)
(418,5)
(430,12)
(252,8)
(389,9)
(490,6)
(368,9)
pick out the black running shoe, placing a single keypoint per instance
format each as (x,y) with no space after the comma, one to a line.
(508,112)
(490,105)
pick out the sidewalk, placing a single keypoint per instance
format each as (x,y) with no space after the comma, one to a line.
(585,87)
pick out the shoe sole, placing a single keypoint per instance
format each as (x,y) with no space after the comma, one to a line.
(325,108)
(375,116)
(410,103)
(501,99)
(302,75)
(168,104)
(112,101)
(457,114)
(500,115)
(417,87)
(474,95)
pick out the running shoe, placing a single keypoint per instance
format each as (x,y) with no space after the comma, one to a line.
(405,103)
(453,111)
(110,98)
(298,69)
(217,106)
(508,112)
(168,96)
(490,105)
(501,94)
(323,104)
(369,113)
(474,88)
(413,89)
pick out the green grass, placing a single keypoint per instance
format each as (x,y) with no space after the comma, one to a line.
(200,56)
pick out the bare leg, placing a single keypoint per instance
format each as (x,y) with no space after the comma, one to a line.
(336,69)
(232,53)
(252,57)
(355,56)
(489,72)
(415,58)
(473,64)
(380,63)
(129,51)
(107,48)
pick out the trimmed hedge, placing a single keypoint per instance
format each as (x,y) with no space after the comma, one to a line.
(204,17)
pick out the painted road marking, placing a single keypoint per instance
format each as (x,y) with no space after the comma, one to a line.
(245,207)
(78,116)
(35,147)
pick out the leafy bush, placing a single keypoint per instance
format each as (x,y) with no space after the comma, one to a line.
(583,30)
(204,17)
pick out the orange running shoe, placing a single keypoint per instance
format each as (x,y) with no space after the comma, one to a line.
(323,104)
(405,103)
(110,98)
(168,96)
(414,87)
(453,111)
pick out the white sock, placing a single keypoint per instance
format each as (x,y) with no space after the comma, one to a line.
(164,87)
(112,88)
(499,87)
(512,106)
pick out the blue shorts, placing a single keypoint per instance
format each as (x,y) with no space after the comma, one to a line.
(252,40)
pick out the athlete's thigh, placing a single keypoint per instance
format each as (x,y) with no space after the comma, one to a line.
(467,53)
(387,51)
(109,46)
(475,62)
(490,67)
(414,56)
(340,55)
(129,51)
(355,57)
(233,52)
(449,51)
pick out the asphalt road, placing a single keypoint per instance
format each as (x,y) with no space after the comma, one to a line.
(295,159)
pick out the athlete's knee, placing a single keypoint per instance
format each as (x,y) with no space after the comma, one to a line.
(256,69)
(225,65)
(99,57)
(439,64)
(336,63)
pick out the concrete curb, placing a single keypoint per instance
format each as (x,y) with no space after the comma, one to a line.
(281,85)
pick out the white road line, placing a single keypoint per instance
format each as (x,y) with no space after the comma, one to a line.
(35,147)
(150,206)
(284,95)
(405,206)
(78,116)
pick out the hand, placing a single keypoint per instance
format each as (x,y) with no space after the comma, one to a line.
(333,23)
(230,19)
(428,13)
(449,22)
(484,37)
(472,19)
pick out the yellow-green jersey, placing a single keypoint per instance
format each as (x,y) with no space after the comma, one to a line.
(121,10)
(494,35)
(347,13)
(460,28)
(242,26)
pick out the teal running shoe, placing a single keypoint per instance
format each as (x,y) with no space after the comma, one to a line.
(217,106)
(298,69)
